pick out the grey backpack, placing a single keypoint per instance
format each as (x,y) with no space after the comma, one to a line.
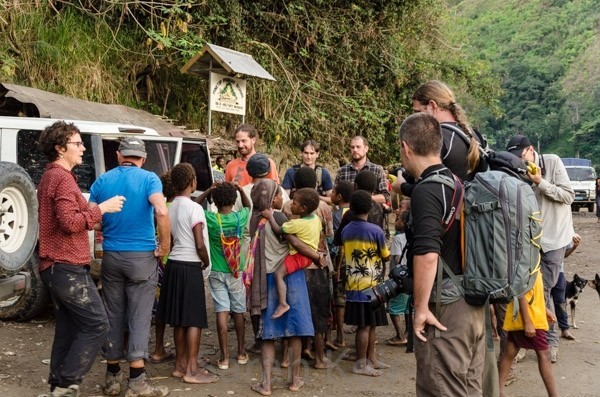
(501,230)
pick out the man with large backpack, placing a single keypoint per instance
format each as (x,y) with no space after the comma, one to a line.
(554,194)
(449,362)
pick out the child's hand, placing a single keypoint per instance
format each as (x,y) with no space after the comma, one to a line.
(267,214)
(322,259)
(529,330)
(550,316)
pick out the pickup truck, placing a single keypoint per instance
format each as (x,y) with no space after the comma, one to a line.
(22,294)
(583,181)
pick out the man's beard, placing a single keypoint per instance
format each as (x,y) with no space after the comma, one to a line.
(357,157)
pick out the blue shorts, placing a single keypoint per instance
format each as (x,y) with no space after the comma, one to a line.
(228,292)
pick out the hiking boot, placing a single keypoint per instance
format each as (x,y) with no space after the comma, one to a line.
(140,387)
(71,391)
(553,354)
(112,384)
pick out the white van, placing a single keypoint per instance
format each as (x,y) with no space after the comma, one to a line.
(22,295)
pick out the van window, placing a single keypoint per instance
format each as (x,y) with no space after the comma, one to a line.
(197,155)
(32,160)
(161,155)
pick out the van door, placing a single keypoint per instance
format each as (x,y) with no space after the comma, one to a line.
(195,151)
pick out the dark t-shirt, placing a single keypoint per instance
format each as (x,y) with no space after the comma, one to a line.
(430,204)
(454,152)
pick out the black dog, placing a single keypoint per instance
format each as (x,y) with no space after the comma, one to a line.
(595,284)
(572,292)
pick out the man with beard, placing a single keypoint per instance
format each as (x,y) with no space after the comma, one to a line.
(359,147)
(235,171)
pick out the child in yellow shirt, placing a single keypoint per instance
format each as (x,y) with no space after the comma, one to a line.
(528,331)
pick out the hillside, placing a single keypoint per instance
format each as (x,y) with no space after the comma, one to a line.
(545,53)
(343,67)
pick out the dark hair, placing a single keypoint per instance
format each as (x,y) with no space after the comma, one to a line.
(312,143)
(167,186)
(366,180)
(224,194)
(361,202)
(344,189)
(422,133)
(248,129)
(305,177)
(308,197)
(56,134)
(182,176)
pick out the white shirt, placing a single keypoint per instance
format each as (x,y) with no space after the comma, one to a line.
(185,214)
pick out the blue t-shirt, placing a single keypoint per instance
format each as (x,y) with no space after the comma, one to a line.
(326,182)
(132,229)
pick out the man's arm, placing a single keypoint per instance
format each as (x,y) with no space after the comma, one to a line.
(163,224)
(574,245)
(560,190)
(382,194)
(424,272)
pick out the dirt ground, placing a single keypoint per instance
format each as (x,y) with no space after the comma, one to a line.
(25,352)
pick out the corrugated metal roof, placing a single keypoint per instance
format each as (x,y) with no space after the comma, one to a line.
(16,100)
(213,58)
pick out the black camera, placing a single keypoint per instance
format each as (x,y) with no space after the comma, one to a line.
(399,281)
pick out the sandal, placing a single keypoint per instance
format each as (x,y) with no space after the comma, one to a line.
(244,359)
(220,365)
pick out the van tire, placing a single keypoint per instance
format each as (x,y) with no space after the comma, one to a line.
(18,218)
(28,305)
(590,207)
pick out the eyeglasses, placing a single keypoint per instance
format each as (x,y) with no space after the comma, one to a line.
(78,144)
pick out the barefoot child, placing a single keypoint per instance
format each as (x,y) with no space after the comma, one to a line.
(528,331)
(307,228)
(365,252)
(181,303)
(340,196)
(397,306)
(225,229)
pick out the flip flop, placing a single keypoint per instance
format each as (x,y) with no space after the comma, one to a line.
(220,365)
(244,359)
(169,357)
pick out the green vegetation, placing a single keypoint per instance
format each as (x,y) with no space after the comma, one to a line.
(546,54)
(342,67)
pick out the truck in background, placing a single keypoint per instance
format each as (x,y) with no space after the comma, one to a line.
(583,180)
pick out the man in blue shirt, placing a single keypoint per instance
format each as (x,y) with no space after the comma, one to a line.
(129,272)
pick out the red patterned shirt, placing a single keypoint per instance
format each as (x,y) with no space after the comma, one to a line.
(64,219)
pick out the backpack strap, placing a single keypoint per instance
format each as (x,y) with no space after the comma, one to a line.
(483,145)
(456,204)
(318,171)
(455,209)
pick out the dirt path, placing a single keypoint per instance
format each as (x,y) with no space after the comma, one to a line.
(25,348)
